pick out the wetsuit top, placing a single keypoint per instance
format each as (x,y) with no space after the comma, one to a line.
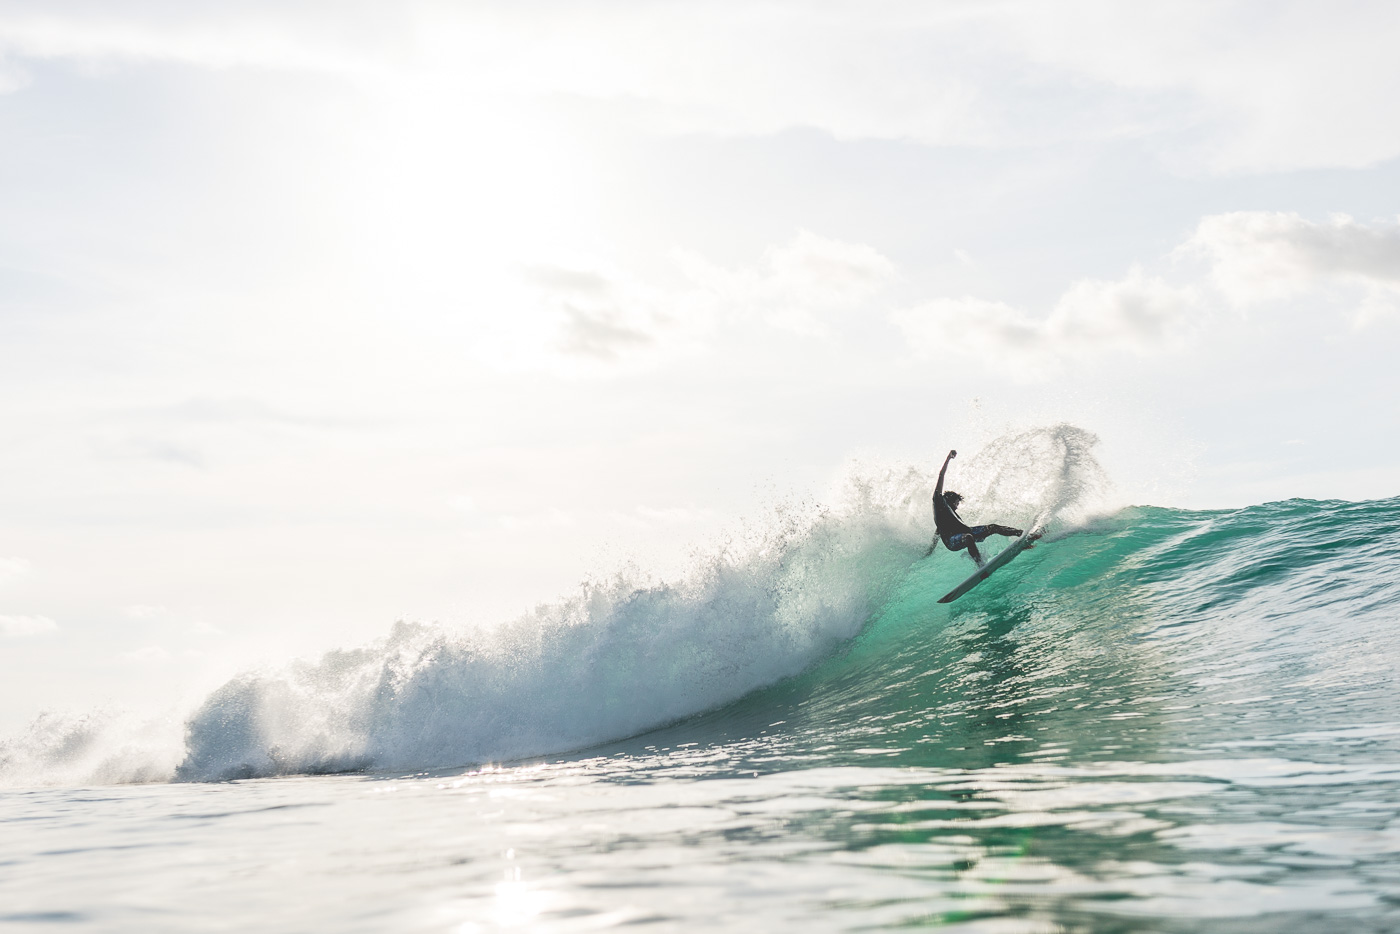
(945,520)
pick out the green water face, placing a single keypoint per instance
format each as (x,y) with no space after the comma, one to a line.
(1153,636)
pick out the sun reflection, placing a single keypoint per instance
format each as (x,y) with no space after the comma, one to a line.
(489,774)
(518,903)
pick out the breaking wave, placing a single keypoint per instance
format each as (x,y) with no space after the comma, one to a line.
(620,657)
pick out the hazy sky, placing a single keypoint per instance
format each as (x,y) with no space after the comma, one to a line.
(317,315)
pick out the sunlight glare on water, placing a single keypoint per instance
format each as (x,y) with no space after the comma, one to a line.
(677,839)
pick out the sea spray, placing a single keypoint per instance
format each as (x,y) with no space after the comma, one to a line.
(1045,472)
(614,660)
(100,747)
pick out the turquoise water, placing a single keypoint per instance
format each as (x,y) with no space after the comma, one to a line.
(1156,720)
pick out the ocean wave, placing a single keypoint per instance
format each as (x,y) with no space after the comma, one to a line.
(621,656)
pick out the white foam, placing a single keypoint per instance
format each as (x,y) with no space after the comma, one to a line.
(614,660)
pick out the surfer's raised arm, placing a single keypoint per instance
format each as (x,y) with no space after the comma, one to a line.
(938,490)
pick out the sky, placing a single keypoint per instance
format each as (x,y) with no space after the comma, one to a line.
(315,316)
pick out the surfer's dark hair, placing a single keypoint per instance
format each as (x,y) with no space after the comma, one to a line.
(952,498)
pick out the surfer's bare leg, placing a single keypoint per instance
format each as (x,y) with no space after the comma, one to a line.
(976,555)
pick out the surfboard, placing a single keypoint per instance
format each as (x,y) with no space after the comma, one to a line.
(1001,560)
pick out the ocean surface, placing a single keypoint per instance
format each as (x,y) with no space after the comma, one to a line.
(1155,720)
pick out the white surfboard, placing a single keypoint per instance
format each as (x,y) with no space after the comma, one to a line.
(1001,560)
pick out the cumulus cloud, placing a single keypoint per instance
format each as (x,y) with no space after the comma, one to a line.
(18,627)
(971,326)
(12,569)
(798,285)
(600,332)
(1136,314)
(609,317)
(818,270)
(601,317)
(1250,256)
(1258,256)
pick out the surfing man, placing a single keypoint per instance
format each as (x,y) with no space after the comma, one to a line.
(955,533)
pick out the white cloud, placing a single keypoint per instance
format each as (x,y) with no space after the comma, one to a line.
(604,317)
(310,38)
(1245,85)
(1222,86)
(819,271)
(18,627)
(603,333)
(686,68)
(798,286)
(1258,256)
(1251,257)
(1225,86)
(972,327)
(1135,314)
(12,569)
(598,316)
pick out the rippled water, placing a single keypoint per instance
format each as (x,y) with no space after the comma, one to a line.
(684,839)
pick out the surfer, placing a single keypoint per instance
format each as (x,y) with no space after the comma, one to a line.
(955,533)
